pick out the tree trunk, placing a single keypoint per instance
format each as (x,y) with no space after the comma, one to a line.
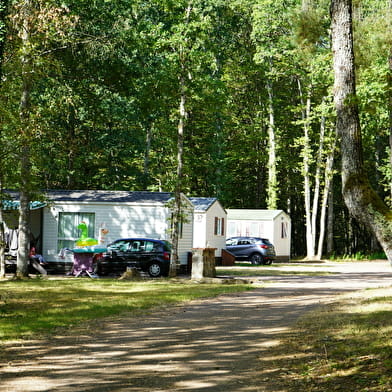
(272,181)
(310,245)
(176,222)
(326,192)
(390,103)
(25,141)
(3,33)
(316,193)
(361,200)
(3,14)
(147,153)
(330,220)
(2,234)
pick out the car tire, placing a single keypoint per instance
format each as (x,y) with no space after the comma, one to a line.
(155,269)
(256,258)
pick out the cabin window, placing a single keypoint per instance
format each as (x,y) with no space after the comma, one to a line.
(68,231)
(284,230)
(219,227)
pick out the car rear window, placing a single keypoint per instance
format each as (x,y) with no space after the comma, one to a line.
(263,241)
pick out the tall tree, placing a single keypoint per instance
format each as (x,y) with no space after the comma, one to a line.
(3,14)
(389,15)
(39,28)
(25,137)
(361,200)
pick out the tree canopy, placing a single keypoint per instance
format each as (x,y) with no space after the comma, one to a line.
(90,99)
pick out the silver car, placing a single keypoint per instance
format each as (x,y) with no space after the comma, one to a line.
(257,250)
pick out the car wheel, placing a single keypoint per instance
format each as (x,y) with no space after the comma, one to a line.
(155,269)
(256,258)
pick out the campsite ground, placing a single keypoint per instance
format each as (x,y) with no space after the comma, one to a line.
(229,343)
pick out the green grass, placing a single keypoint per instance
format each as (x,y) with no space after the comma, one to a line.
(358,256)
(346,346)
(37,306)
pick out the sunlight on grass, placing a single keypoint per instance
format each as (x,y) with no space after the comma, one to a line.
(348,343)
(38,306)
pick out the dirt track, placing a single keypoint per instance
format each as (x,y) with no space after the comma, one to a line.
(222,344)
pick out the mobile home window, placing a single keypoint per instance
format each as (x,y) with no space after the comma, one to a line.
(68,231)
(219,228)
(284,230)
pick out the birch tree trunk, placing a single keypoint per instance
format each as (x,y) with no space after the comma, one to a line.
(310,246)
(324,203)
(272,181)
(316,192)
(361,200)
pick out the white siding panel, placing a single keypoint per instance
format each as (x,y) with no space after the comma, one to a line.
(216,241)
(186,241)
(121,220)
(199,230)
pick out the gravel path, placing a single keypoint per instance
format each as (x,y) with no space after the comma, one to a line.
(221,344)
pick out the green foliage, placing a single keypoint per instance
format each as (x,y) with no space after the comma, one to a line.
(104,103)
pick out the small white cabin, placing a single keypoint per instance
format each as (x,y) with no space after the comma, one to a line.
(272,224)
(109,215)
(209,224)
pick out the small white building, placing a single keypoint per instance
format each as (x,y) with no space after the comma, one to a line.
(109,215)
(209,224)
(274,225)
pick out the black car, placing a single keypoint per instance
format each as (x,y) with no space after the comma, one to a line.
(257,250)
(146,254)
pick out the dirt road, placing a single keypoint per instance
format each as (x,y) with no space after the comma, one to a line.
(222,344)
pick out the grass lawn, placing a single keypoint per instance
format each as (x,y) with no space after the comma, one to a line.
(345,346)
(39,306)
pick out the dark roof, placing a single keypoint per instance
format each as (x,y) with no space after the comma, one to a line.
(108,196)
(202,203)
(98,196)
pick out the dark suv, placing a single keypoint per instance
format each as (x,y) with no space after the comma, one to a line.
(149,255)
(257,250)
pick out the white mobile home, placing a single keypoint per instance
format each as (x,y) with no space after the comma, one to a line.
(109,215)
(272,224)
(209,224)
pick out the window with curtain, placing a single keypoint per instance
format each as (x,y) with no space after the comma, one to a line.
(219,227)
(284,230)
(68,231)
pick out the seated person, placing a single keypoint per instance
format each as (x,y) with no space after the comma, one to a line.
(33,255)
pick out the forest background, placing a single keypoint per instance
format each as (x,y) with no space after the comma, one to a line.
(232,97)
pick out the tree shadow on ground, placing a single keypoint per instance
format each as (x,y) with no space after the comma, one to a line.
(230,343)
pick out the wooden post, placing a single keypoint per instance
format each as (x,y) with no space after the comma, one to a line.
(203,263)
